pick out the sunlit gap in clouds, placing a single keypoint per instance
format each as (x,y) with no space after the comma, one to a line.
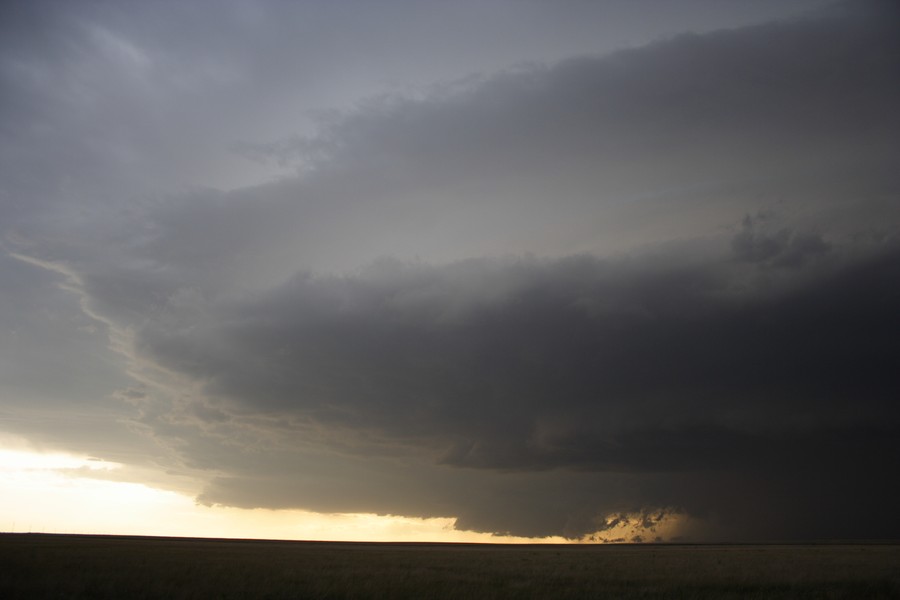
(648,526)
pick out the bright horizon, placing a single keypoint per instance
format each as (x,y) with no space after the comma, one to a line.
(40,491)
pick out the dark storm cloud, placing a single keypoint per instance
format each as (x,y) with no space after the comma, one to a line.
(691,373)
(577,363)
(705,325)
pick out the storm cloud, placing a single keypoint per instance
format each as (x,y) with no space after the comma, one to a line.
(595,367)
(656,281)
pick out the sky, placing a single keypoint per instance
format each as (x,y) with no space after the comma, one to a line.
(494,270)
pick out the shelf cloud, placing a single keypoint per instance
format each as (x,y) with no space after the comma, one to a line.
(657,281)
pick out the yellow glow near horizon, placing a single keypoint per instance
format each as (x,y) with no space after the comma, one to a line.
(21,460)
(60,493)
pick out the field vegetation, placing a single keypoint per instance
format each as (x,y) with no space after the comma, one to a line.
(75,566)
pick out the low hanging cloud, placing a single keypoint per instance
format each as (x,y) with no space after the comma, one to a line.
(637,368)
(654,284)
(532,364)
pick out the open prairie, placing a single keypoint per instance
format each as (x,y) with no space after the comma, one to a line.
(78,566)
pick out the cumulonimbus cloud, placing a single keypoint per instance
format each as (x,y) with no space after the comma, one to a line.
(705,325)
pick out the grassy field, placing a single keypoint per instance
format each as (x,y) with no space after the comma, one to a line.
(73,566)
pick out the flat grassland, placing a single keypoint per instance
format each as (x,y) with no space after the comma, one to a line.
(80,566)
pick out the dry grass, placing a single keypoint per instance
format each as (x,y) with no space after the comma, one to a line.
(62,566)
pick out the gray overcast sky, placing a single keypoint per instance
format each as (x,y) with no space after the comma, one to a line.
(528,264)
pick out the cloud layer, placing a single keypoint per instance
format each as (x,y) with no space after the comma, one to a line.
(658,282)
